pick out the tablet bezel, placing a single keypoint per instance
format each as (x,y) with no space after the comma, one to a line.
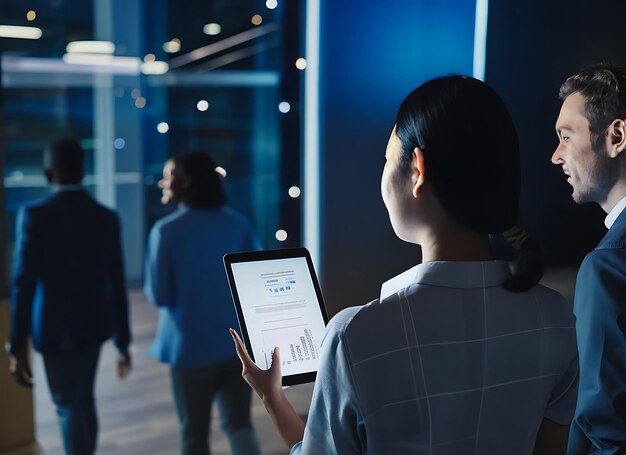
(266,255)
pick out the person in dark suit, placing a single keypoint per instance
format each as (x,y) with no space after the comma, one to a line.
(68,294)
(592,138)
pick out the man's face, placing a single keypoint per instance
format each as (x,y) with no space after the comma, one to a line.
(589,170)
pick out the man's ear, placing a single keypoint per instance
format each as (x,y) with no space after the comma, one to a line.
(417,172)
(617,137)
(183,181)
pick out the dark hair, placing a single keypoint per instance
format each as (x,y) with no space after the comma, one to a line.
(471,151)
(604,89)
(204,189)
(66,158)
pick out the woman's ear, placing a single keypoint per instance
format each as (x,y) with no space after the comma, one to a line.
(617,136)
(417,172)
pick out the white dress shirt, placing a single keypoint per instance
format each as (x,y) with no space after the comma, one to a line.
(615,213)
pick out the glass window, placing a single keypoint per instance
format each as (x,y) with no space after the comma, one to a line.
(195,76)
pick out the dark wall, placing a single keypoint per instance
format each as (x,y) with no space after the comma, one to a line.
(4,273)
(532,47)
(372,56)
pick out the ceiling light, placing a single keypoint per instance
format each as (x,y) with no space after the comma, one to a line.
(221,45)
(15,31)
(129,63)
(90,47)
(271,4)
(31,15)
(301,63)
(294,192)
(202,105)
(171,47)
(154,67)
(284,107)
(257,19)
(163,127)
(212,29)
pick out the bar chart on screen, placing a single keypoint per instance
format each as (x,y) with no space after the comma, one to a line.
(280,308)
(280,283)
(297,346)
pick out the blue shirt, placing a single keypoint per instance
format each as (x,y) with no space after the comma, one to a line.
(446,362)
(185,277)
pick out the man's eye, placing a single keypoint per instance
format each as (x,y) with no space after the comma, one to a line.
(565,138)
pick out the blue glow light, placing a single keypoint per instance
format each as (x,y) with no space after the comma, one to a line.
(480,39)
(119,143)
(311,135)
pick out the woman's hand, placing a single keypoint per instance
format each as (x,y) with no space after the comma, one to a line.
(266,383)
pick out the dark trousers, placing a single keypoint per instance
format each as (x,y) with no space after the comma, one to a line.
(71,378)
(194,390)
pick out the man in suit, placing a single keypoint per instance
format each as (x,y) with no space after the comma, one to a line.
(592,137)
(68,294)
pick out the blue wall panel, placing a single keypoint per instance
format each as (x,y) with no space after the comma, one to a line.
(372,55)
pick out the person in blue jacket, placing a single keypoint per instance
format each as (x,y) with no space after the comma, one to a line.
(185,278)
(592,138)
(68,294)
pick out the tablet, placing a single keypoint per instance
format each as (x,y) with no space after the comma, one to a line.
(279,303)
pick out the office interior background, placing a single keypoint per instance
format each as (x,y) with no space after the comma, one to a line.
(295,99)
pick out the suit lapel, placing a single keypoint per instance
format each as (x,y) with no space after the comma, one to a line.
(616,236)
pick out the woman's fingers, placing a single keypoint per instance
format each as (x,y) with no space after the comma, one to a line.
(239,347)
(235,337)
(264,382)
(242,352)
(275,358)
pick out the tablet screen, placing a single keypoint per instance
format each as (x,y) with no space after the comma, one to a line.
(280,305)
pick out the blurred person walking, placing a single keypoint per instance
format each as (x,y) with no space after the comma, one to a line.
(68,294)
(185,278)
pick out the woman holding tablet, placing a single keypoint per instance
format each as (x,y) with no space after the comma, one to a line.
(185,279)
(447,361)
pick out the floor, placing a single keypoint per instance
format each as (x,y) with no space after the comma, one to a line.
(137,415)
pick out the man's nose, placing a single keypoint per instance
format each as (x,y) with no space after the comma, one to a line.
(557,157)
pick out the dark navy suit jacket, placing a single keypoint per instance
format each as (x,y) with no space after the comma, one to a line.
(599,424)
(68,278)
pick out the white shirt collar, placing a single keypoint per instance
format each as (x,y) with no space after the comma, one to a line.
(453,274)
(614,213)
